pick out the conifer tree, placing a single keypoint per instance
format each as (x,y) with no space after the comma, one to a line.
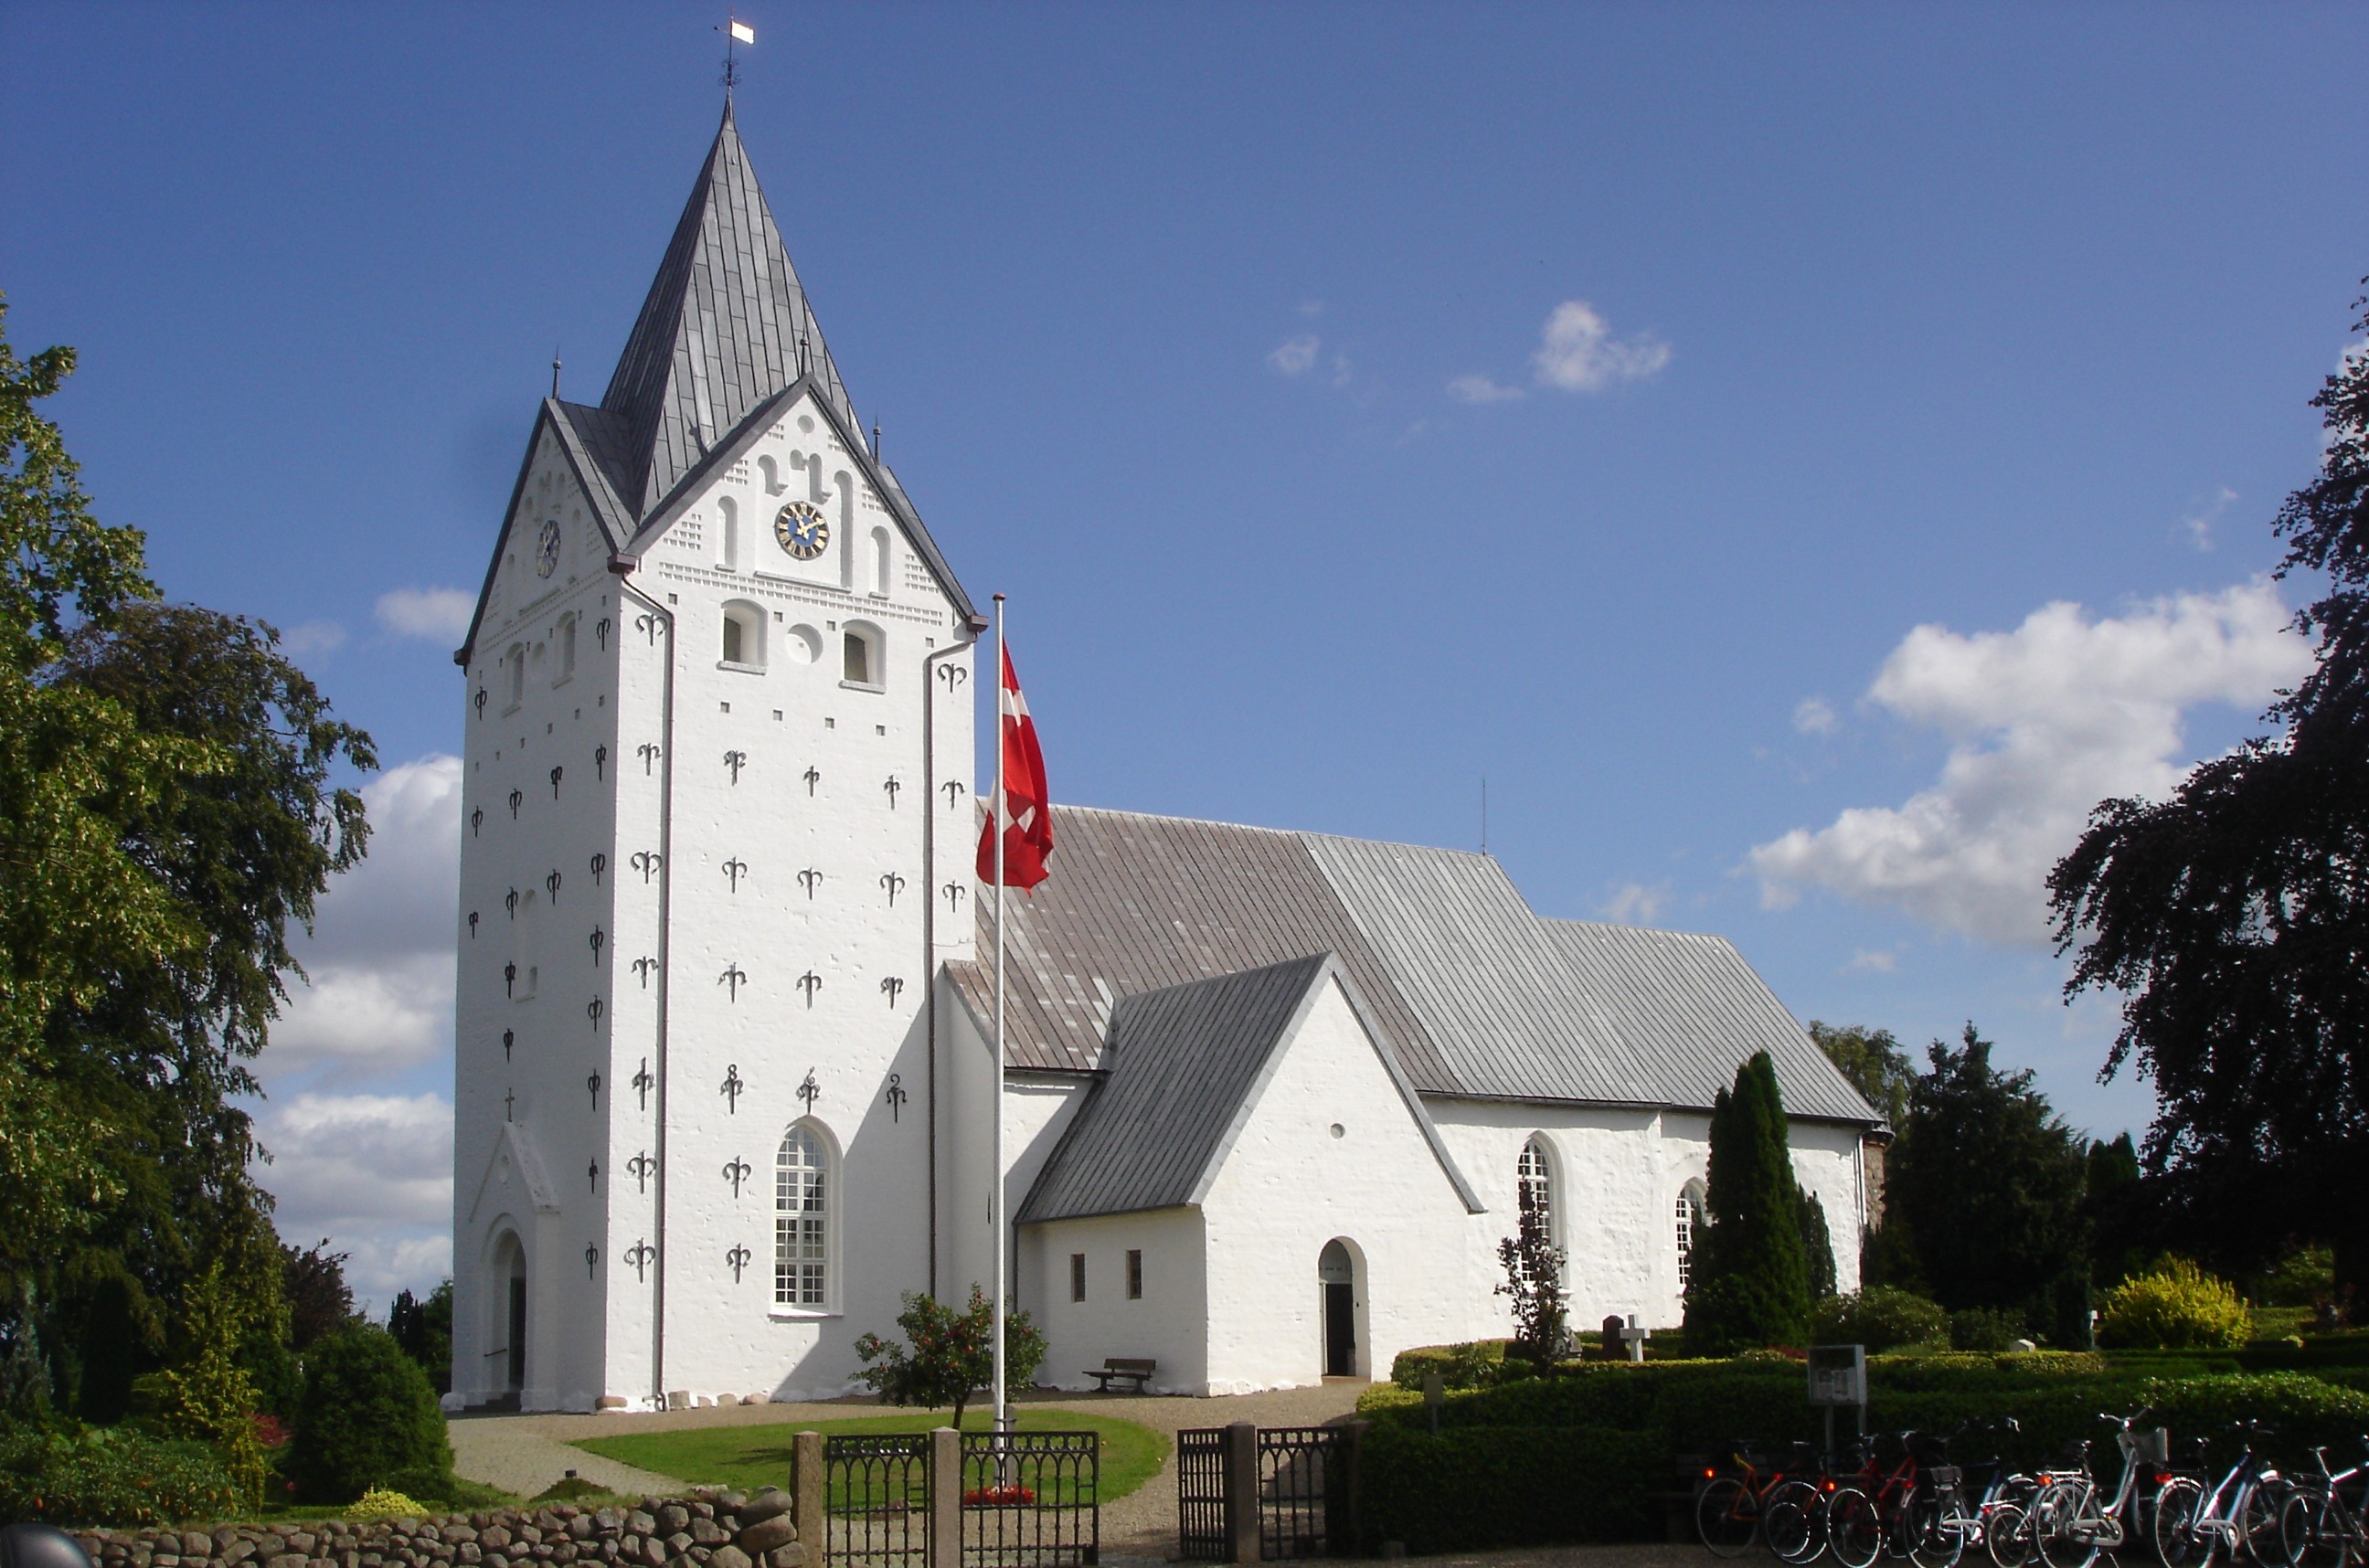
(1750,1280)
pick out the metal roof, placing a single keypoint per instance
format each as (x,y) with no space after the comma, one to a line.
(1475,996)
(1185,1065)
(725,326)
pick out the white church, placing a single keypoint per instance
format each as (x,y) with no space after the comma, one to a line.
(724,1090)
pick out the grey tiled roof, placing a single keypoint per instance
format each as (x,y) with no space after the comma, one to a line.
(1475,995)
(721,330)
(1185,1066)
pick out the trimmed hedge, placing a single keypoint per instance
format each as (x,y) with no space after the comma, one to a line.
(369,1420)
(110,1476)
(1482,1487)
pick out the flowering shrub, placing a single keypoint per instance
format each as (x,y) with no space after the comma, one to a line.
(998,1497)
(113,1476)
(2174,1306)
(949,1355)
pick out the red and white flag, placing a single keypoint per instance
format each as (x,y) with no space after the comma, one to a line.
(1021,809)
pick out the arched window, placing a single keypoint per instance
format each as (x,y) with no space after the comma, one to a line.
(803,1240)
(1689,1222)
(744,636)
(728,514)
(1534,1185)
(881,556)
(860,661)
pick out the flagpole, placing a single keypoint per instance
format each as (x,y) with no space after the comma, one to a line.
(1001,821)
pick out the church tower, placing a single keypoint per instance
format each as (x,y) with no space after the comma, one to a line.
(716,844)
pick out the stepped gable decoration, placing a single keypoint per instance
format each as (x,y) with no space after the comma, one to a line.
(1021,803)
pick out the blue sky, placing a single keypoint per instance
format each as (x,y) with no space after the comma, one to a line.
(1354,400)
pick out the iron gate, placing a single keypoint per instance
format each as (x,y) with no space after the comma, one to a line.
(1201,1495)
(1031,1500)
(1298,1479)
(877,1500)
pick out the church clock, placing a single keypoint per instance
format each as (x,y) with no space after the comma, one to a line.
(546,549)
(802,530)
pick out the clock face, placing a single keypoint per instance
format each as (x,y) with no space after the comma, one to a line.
(802,530)
(546,549)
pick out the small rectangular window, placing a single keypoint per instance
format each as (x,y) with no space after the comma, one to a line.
(1134,1274)
(1077,1277)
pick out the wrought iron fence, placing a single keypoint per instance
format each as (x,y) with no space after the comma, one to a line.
(1201,1534)
(1031,1499)
(875,1499)
(1297,1480)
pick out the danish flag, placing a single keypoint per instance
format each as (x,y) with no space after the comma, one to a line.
(1019,806)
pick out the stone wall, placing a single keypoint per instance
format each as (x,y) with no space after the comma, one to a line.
(706,1529)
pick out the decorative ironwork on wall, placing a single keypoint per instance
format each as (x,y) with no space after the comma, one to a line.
(810,879)
(597,939)
(480,700)
(891,784)
(733,979)
(641,1255)
(891,986)
(600,764)
(648,862)
(476,820)
(732,1088)
(508,1040)
(810,983)
(510,902)
(600,633)
(593,1083)
(650,754)
(644,1084)
(643,1167)
(735,761)
(955,789)
(592,1010)
(734,870)
(643,966)
(953,892)
(592,1260)
(894,884)
(650,625)
(592,1175)
(811,1091)
(813,777)
(550,884)
(738,1258)
(555,773)
(600,863)
(896,1095)
(736,1172)
(472,925)
(517,796)
(954,675)
(510,980)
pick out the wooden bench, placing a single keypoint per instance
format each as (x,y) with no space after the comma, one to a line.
(1124,1369)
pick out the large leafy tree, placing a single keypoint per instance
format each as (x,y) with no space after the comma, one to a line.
(1750,1281)
(1879,1067)
(2233,918)
(1988,1180)
(166,812)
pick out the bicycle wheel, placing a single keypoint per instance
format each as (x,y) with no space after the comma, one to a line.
(2064,1524)
(1937,1533)
(2265,1543)
(1792,1522)
(2006,1535)
(2177,1543)
(2311,1529)
(1726,1515)
(1854,1528)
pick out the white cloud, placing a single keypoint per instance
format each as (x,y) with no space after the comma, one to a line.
(1578,353)
(438,614)
(1634,903)
(1296,356)
(1870,961)
(313,637)
(385,1017)
(2044,721)
(373,1172)
(2203,514)
(1815,716)
(1480,389)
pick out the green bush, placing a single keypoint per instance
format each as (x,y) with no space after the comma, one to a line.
(1479,1488)
(2175,1306)
(369,1420)
(110,1476)
(1470,1365)
(1991,1329)
(1879,1318)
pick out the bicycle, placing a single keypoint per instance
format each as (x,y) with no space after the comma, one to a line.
(2241,1513)
(1900,1515)
(2323,1524)
(1727,1511)
(2070,1526)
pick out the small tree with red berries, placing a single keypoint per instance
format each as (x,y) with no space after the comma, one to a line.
(948,1355)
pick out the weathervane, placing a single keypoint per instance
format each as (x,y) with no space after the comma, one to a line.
(736,33)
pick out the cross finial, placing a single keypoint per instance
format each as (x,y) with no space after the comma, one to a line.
(554,371)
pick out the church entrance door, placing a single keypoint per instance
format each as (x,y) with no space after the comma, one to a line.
(1336,1273)
(514,1365)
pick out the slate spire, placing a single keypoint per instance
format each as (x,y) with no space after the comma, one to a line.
(725,326)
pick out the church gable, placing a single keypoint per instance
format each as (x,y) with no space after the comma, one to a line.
(554,536)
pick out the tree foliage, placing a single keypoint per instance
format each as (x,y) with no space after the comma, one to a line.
(1988,1180)
(369,1419)
(1534,1267)
(2233,917)
(1749,1283)
(1879,1067)
(948,1354)
(424,1329)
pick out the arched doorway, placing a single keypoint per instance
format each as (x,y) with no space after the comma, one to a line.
(509,1269)
(1337,1277)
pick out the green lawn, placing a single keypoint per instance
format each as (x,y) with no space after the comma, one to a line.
(751,1457)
